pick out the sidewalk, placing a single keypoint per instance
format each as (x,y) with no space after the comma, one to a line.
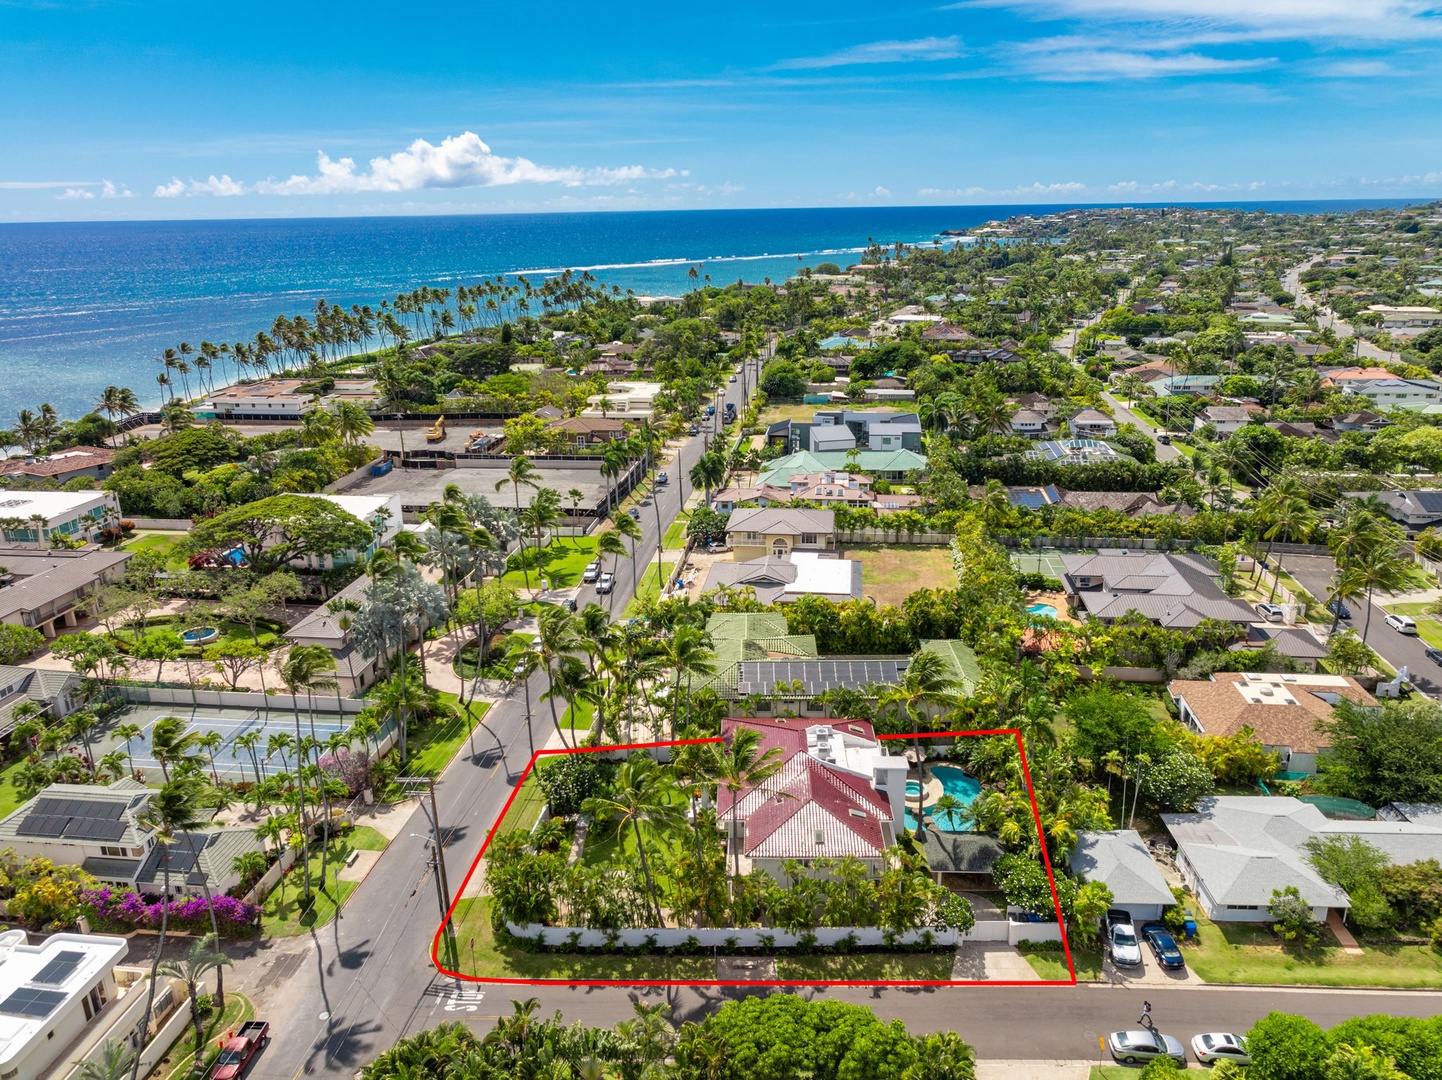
(1033,1070)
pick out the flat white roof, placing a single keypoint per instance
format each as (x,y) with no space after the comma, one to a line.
(46,977)
(365,507)
(817,575)
(53,504)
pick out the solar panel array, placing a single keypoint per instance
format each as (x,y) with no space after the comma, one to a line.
(32,1003)
(75,819)
(60,968)
(761,676)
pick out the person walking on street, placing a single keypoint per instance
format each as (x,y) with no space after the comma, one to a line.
(1146,1017)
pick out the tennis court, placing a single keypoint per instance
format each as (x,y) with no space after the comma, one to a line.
(231,723)
(1039,562)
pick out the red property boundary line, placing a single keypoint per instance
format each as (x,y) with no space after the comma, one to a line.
(530,766)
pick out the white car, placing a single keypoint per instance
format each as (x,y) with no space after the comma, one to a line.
(606,584)
(1130,1047)
(591,573)
(1125,948)
(1403,624)
(1215,1046)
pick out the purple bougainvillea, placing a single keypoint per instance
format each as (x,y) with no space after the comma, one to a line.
(112,909)
(349,768)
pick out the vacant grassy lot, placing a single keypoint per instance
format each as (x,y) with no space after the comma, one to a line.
(1051,963)
(891,574)
(922,967)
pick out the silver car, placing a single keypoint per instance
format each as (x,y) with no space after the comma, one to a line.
(607,583)
(1215,1046)
(1126,950)
(1130,1047)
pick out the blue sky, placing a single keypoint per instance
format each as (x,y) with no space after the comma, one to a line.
(158,109)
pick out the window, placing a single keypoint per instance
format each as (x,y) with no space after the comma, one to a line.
(113,852)
(808,538)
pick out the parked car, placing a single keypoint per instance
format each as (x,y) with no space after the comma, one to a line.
(693,430)
(662,479)
(1130,1047)
(240,1049)
(1164,947)
(1434,654)
(1165,440)
(606,584)
(1403,624)
(1271,612)
(591,573)
(1122,941)
(732,379)
(1339,609)
(1215,1046)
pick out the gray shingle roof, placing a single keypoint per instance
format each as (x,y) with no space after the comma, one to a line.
(781,519)
(1119,859)
(46,577)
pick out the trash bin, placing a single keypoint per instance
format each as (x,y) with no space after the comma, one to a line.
(1189,928)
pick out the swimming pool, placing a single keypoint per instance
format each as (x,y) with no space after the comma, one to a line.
(1049,610)
(961,787)
(913,788)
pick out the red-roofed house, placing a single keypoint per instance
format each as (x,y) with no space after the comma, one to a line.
(838,793)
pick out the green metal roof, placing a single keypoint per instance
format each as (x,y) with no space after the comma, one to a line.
(867,461)
(960,659)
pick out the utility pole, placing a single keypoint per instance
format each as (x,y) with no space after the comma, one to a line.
(432,813)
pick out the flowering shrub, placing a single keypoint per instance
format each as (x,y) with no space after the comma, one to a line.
(351,769)
(111,909)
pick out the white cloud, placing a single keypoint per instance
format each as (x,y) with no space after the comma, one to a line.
(1274,19)
(1095,65)
(76,193)
(1358,69)
(459,161)
(110,190)
(213,185)
(36,185)
(883,52)
(1175,187)
(881,192)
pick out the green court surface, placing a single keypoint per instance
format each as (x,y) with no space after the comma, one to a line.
(1038,562)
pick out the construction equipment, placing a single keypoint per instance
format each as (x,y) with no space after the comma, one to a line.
(438,430)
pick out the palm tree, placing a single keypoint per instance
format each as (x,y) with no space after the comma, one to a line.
(171,810)
(742,766)
(556,640)
(1289,515)
(522,472)
(171,741)
(1381,567)
(111,405)
(113,1063)
(628,527)
(994,504)
(543,514)
(352,422)
(575,495)
(200,958)
(688,654)
(927,682)
(708,472)
(305,669)
(641,792)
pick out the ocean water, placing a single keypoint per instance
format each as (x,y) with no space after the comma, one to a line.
(83,305)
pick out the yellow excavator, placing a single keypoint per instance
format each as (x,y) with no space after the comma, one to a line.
(438,430)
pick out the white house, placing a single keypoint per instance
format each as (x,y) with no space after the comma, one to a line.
(1028,423)
(1390,393)
(629,400)
(1092,424)
(32,517)
(1407,317)
(381,512)
(103,831)
(1227,419)
(49,994)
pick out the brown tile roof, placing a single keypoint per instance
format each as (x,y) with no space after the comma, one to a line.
(63,461)
(589,425)
(1222,709)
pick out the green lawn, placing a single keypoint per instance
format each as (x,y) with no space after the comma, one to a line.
(162,543)
(602,838)
(1250,953)
(364,838)
(930,966)
(525,811)
(10,799)
(181,1055)
(1051,963)
(432,748)
(563,560)
(647,587)
(675,538)
(267,632)
(280,914)
(481,956)
(581,715)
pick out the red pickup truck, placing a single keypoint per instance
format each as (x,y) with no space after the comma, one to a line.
(239,1049)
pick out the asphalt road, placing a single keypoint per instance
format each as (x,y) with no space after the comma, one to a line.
(366,980)
(1316,574)
(1122,415)
(1326,317)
